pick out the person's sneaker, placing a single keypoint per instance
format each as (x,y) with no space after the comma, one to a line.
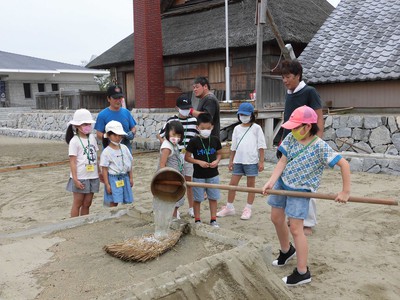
(246,215)
(296,278)
(214,224)
(225,211)
(283,258)
(191,212)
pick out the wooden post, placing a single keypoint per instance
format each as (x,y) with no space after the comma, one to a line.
(277,35)
(259,51)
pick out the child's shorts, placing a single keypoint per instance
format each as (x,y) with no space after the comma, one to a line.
(121,194)
(212,194)
(91,186)
(246,170)
(187,167)
(295,207)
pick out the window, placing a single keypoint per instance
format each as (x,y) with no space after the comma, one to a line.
(27,91)
(54,87)
(41,87)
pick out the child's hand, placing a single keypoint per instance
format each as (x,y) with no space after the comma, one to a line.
(230,166)
(79,185)
(342,197)
(268,186)
(204,164)
(214,164)
(108,188)
(261,166)
(101,177)
(131,181)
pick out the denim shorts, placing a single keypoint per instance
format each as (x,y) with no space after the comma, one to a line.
(91,186)
(246,170)
(212,194)
(295,207)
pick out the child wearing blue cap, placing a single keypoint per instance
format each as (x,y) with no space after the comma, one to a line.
(246,158)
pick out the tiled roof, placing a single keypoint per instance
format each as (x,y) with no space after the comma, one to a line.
(360,41)
(11,62)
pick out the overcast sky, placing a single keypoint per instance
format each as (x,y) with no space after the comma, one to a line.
(68,31)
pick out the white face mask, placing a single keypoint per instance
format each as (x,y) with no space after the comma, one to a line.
(205,133)
(184,112)
(174,140)
(245,119)
(115,143)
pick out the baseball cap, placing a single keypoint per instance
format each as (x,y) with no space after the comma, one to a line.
(246,109)
(301,115)
(115,92)
(115,127)
(82,116)
(184,102)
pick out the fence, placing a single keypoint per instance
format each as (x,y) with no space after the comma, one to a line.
(92,100)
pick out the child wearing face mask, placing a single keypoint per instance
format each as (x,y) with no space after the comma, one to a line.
(304,156)
(82,150)
(204,152)
(246,158)
(170,155)
(116,165)
(189,123)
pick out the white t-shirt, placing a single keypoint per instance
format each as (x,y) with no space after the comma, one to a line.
(86,153)
(247,141)
(118,161)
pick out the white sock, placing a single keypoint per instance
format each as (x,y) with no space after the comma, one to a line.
(229,205)
(249,205)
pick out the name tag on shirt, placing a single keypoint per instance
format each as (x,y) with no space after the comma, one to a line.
(90,168)
(119,183)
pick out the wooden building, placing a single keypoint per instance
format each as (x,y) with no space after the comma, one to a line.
(354,59)
(194,44)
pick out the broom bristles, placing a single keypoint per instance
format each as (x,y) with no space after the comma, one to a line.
(143,248)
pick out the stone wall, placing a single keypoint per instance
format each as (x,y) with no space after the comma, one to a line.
(357,133)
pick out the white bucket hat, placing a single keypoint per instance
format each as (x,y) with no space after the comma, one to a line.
(115,127)
(82,116)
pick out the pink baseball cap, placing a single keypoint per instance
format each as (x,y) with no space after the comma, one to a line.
(301,115)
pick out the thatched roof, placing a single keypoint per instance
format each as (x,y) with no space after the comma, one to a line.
(358,42)
(204,30)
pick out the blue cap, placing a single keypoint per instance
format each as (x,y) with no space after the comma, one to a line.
(246,109)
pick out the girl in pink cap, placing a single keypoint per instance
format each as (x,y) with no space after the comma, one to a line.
(300,169)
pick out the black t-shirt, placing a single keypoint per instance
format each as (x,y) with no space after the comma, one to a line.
(306,96)
(204,149)
(210,104)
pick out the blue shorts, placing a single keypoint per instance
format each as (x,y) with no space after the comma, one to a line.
(246,170)
(295,207)
(91,186)
(212,194)
(118,194)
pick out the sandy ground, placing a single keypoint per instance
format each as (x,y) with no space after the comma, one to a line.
(353,252)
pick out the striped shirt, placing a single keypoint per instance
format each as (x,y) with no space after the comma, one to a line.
(189,125)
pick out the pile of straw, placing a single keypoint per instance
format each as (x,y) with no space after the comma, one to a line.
(143,248)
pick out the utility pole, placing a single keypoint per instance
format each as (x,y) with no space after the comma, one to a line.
(227,68)
(260,21)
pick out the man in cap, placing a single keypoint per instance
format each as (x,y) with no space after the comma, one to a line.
(115,112)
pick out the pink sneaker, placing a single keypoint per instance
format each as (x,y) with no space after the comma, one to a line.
(225,211)
(246,213)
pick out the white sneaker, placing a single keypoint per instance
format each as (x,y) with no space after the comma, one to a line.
(191,212)
(246,215)
(225,211)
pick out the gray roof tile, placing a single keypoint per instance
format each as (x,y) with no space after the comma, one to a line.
(360,41)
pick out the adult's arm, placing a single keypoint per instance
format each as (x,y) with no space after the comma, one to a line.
(320,122)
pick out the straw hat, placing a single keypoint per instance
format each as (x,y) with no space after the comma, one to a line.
(82,116)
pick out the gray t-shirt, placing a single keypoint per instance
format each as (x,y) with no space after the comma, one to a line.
(210,104)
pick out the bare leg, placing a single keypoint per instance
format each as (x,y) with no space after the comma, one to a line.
(300,242)
(189,192)
(196,208)
(251,182)
(213,209)
(278,218)
(234,181)
(77,204)
(87,201)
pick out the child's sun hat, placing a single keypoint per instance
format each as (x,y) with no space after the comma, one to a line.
(115,127)
(82,116)
(301,115)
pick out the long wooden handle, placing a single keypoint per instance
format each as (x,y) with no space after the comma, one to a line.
(280,192)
